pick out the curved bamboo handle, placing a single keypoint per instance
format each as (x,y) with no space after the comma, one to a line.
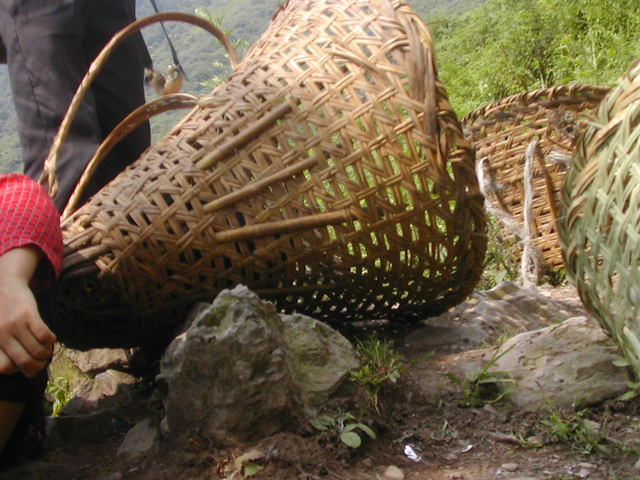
(136,118)
(49,173)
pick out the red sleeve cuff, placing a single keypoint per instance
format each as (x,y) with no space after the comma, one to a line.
(29,217)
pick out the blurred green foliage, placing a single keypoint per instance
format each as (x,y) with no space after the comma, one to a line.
(201,55)
(486,49)
(509,46)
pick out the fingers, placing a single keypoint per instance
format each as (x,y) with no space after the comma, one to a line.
(16,357)
(26,342)
(31,345)
(6,365)
(40,333)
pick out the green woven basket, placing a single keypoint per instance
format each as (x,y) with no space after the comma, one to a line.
(600,225)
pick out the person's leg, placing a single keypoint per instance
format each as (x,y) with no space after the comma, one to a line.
(119,89)
(21,402)
(10,414)
(46,61)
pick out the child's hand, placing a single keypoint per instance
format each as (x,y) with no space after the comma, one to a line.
(26,343)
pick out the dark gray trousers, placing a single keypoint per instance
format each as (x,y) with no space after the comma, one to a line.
(50,45)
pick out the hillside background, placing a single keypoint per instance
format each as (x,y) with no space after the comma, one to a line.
(486,49)
(198,51)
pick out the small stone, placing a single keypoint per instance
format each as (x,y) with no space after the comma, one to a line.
(393,473)
(637,465)
(533,440)
(509,467)
(583,473)
(114,476)
(588,466)
(139,440)
(489,409)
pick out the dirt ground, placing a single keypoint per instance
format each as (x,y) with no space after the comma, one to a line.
(439,438)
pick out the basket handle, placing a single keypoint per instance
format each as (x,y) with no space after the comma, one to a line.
(50,163)
(132,121)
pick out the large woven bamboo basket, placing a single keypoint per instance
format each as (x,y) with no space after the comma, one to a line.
(600,226)
(328,174)
(547,121)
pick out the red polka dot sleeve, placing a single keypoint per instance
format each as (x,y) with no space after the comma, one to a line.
(29,217)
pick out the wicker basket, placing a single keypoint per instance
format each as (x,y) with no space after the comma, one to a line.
(328,174)
(501,134)
(600,226)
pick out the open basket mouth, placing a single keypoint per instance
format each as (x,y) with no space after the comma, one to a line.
(552,119)
(327,173)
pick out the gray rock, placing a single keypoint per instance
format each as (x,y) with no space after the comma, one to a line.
(64,371)
(235,366)
(393,473)
(100,359)
(487,315)
(562,364)
(107,390)
(141,439)
(115,476)
(320,356)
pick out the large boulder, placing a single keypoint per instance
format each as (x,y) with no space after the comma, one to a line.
(241,372)
(552,356)
(562,365)
(486,316)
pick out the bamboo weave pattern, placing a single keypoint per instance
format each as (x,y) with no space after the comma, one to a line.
(501,133)
(601,220)
(328,174)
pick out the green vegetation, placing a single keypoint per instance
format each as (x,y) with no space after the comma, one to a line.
(582,434)
(345,426)
(510,46)
(484,386)
(381,368)
(201,54)
(485,49)
(502,260)
(60,394)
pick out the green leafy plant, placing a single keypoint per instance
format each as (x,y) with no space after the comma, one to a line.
(502,259)
(348,429)
(381,368)
(59,391)
(575,429)
(634,386)
(484,385)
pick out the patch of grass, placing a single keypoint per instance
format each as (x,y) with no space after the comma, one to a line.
(556,277)
(574,429)
(381,368)
(484,386)
(502,260)
(634,386)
